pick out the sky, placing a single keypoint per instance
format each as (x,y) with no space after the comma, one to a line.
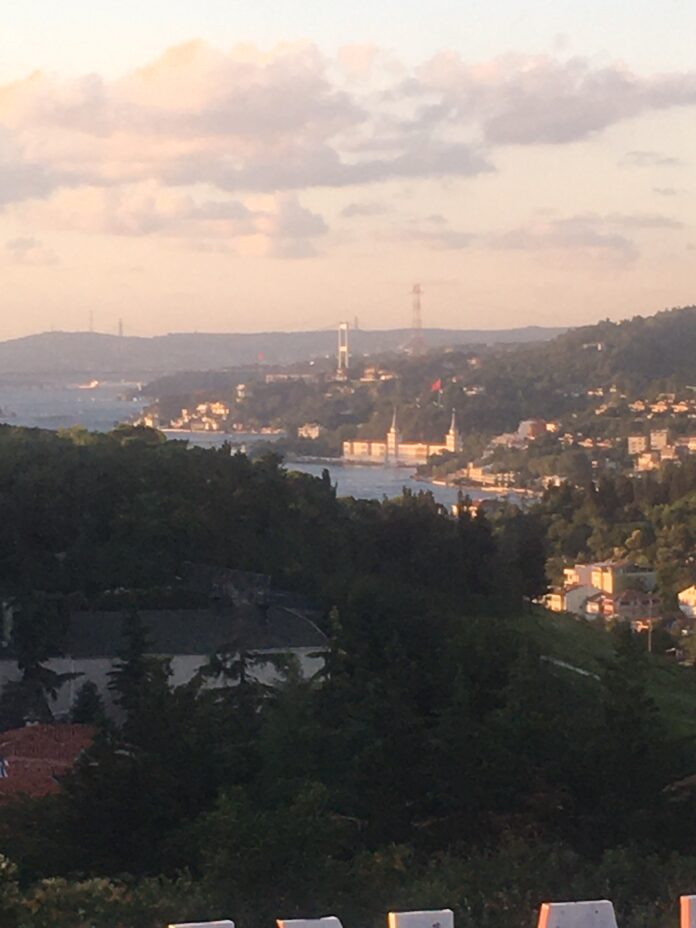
(222,165)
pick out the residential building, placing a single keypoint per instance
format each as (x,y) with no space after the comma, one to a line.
(310,430)
(637,444)
(609,589)
(670,453)
(648,460)
(615,576)
(687,601)
(187,638)
(659,438)
(529,429)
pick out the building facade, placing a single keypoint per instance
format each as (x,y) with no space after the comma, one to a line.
(394,450)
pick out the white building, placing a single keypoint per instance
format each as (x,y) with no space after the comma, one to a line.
(310,430)
(687,601)
(393,450)
(187,638)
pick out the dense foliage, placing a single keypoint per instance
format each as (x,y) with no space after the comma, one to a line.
(650,519)
(441,759)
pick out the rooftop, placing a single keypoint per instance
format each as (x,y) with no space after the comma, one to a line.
(97,634)
(34,758)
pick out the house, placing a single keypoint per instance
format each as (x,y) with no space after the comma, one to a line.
(187,638)
(554,600)
(659,438)
(628,606)
(687,601)
(569,599)
(614,576)
(608,589)
(310,430)
(34,758)
(529,429)
(648,460)
(637,444)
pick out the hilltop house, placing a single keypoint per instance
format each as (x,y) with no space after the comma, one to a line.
(687,601)
(615,590)
(186,637)
(242,614)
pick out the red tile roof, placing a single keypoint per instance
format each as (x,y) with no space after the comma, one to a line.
(32,759)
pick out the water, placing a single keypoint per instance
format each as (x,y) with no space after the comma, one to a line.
(375,481)
(61,403)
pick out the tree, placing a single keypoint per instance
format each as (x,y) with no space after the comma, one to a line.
(88,708)
(38,632)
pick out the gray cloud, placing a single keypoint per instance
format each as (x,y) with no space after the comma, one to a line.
(359,210)
(30,252)
(649,159)
(434,232)
(541,100)
(245,122)
(575,233)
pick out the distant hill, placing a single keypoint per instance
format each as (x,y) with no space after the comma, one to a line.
(632,354)
(90,352)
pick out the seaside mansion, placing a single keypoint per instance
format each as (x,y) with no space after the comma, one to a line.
(392,450)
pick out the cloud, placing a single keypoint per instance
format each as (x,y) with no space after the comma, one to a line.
(360,210)
(181,146)
(358,61)
(637,220)
(434,232)
(595,234)
(29,252)
(649,159)
(577,233)
(666,191)
(276,224)
(521,100)
(241,120)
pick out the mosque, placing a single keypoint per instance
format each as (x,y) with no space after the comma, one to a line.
(397,452)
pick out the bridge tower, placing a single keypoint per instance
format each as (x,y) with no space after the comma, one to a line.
(343,356)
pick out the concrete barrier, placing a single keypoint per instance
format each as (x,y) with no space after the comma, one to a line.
(687,910)
(328,921)
(437,918)
(223,924)
(596,914)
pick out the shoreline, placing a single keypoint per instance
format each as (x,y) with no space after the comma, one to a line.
(482,488)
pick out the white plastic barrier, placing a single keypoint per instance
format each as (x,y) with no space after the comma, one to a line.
(223,924)
(596,914)
(329,921)
(687,907)
(439,918)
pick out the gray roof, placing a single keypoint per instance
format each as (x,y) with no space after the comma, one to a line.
(194,631)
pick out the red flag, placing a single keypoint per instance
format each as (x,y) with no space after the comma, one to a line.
(437,385)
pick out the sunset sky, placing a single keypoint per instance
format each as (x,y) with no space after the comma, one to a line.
(228,165)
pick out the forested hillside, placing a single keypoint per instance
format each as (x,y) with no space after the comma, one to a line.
(444,756)
(492,387)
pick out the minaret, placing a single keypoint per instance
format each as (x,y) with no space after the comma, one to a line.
(393,439)
(454,438)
